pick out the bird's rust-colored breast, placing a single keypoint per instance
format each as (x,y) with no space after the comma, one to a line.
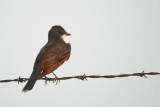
(54,58)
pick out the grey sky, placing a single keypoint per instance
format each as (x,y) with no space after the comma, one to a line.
(108,37)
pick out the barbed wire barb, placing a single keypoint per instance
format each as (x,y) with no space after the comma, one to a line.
(83,77)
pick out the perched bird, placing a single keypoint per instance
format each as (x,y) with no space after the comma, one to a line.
(51,56)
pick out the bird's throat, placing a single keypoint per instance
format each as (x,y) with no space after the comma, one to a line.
(63,36)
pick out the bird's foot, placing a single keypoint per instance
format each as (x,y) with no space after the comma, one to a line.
(56,79)
(45,80)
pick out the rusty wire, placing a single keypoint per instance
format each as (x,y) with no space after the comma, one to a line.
(84,77)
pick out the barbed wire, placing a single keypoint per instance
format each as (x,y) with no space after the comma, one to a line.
(84,77)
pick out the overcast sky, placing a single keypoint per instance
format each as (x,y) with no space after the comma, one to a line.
(108,37)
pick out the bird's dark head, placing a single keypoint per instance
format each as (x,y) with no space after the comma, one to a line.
(57,32)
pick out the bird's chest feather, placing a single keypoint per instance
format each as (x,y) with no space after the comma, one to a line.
(53,58)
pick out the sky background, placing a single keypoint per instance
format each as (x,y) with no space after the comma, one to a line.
(108,37)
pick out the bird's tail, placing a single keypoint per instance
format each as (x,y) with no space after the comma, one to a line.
(34,76)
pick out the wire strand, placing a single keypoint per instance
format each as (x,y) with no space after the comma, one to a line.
(83,77)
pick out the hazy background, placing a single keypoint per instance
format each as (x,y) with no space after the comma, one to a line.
(108,37)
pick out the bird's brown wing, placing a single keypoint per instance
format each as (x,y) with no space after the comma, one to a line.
(54,58)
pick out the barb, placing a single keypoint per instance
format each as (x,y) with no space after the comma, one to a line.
(84,77)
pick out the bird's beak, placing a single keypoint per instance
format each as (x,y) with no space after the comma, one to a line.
(68,34)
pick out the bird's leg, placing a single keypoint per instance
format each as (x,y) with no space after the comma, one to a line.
(56,78)
(45,80)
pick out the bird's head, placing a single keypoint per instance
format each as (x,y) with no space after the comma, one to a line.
(58,31)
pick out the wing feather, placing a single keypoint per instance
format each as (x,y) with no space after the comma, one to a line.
(54,58)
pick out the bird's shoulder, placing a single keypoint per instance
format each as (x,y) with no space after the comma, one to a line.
(68,45)
(50,51)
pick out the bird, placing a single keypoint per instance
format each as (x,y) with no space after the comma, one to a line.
(51,56)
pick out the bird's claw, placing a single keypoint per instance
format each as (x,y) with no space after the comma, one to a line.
(56,79)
